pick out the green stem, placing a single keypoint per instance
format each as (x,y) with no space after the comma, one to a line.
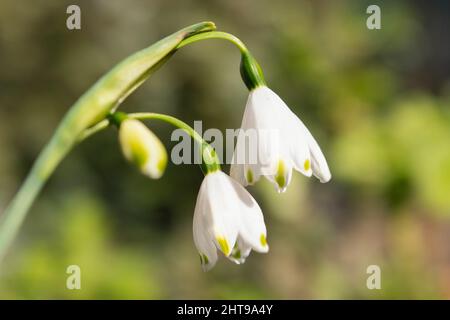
(210,161)
(89,112)
(87,115)
(93,130)
(250,69)
(215,35)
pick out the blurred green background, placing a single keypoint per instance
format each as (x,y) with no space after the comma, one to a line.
(377,102)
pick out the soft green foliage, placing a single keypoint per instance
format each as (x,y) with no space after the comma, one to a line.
(85,240)
(377,102)
(407,149)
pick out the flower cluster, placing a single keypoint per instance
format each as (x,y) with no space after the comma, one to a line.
(226,217)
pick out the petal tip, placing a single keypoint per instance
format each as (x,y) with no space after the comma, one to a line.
(205,262)
(325,179)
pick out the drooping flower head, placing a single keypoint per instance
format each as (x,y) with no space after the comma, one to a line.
(227,218)
(283,141)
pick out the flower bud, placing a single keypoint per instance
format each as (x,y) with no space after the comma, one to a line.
(142,147)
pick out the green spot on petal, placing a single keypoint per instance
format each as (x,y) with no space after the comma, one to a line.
(263,240)
(223,243)
(236,254)
(205,259)
(249,176)
(280,176)
(307,165)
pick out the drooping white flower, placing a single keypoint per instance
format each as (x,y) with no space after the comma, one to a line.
(282,140)
(227,218)
(142,147)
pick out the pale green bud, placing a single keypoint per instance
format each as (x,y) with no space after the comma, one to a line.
(142,147)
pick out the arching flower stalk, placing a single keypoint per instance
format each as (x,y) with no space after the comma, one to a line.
(86,117)
(226,217)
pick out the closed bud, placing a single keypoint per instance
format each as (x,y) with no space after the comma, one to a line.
(142,148)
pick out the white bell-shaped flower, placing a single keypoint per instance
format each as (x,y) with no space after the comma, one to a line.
(227,218)
(280,139)
(142,147)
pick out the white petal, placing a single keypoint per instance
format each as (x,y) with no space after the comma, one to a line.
(202,237)
(294,143)
(253,149)
(240,153)
(318,162)
(268,121)
(252,228)
(222,206)
(244,166)
(270,147)
(299,148)
(237,171)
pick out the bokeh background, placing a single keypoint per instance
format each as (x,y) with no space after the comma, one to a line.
(377,102)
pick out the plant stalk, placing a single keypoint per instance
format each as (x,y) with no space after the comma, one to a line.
(88,112)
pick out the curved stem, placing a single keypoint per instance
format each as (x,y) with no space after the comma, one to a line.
(114,87)
(215,35)
(169,119)
(90,109)
(209,156)
(210,161)
(250,69)
(142,116)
